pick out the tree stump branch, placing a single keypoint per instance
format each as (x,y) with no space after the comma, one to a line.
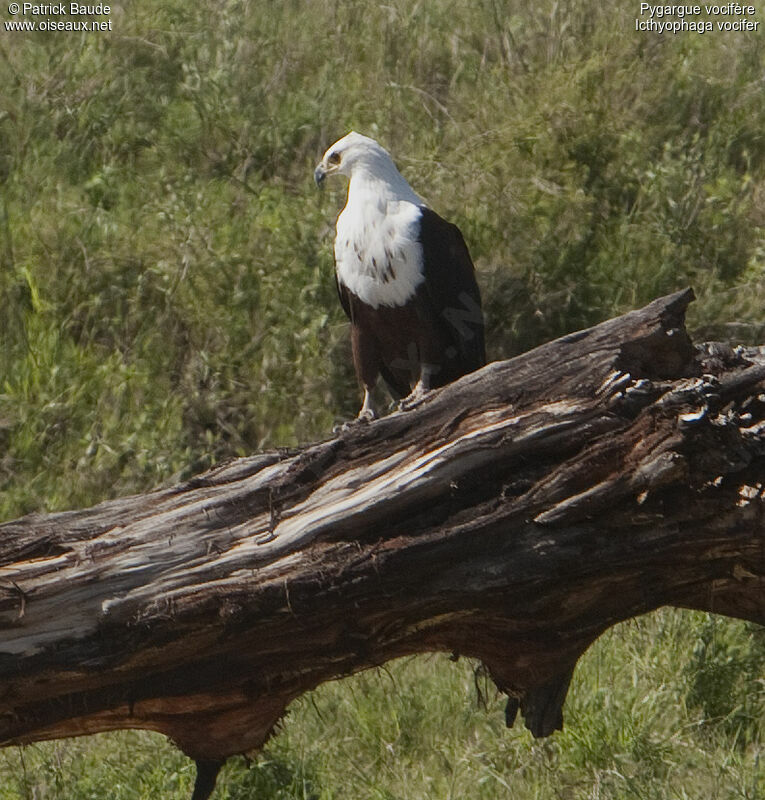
(512,517)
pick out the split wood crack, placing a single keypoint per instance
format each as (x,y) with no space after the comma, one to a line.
(512,517)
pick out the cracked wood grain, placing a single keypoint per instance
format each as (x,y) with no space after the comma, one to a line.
(511,517)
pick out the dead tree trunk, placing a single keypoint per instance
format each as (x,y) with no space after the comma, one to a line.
(512,517)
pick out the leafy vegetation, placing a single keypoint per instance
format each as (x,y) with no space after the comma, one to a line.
(167,301)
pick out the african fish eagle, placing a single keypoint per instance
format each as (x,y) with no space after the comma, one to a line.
(405,279)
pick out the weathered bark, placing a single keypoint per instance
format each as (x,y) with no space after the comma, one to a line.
(512,517)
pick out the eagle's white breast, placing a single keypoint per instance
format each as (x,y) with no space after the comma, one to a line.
(378,254)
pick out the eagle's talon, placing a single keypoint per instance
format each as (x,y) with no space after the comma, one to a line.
(410,405)
(343,427)
(364,418)
(416,398)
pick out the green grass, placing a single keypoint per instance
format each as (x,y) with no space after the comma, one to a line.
(165,261)
(167,301)
(666,706)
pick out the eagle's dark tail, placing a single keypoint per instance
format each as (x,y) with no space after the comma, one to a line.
(207,774)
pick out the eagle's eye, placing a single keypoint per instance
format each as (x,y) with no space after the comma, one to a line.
(334,159)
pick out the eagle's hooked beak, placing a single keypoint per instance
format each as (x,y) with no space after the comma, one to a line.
(319,174)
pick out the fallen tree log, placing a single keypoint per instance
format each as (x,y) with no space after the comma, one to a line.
(512,517)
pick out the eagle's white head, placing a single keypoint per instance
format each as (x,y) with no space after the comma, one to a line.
(363,160)
(378,255)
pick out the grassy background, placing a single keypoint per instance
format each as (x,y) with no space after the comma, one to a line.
(167,301)
(667,706)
